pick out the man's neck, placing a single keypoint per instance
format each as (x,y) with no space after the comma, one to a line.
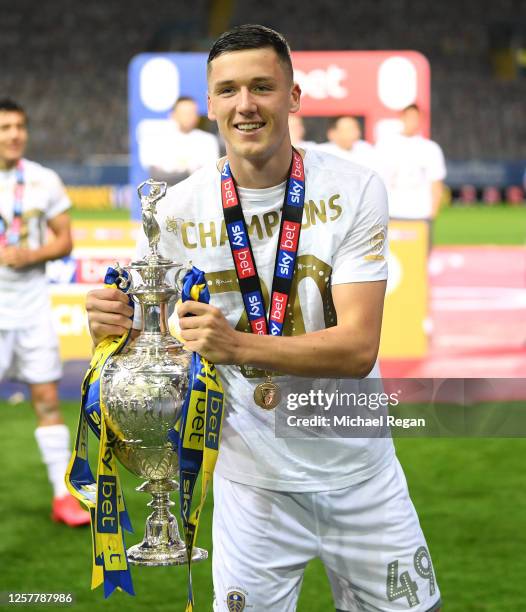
(261,173)
(7,164)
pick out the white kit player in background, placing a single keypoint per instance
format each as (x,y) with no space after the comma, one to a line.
(414,170)
(297,133)
(281,501)
(33,200)
(344,136)
(180,147)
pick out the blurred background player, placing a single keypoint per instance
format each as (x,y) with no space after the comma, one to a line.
(344,139)
(32,200)
(183,147)
(414,170)
(297,132)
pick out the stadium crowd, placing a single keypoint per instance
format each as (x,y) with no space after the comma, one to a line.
(70,62)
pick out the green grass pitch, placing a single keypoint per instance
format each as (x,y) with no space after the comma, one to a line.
(469,495)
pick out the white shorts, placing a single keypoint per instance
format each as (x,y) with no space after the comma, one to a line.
(31,355)
(368,536)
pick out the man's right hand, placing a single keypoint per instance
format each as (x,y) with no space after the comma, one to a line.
(108,313)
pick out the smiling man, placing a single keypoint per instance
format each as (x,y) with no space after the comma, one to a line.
(33,200)
(296,271)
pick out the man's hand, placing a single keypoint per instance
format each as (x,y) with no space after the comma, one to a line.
(16,258)
(209,333)
(108,313)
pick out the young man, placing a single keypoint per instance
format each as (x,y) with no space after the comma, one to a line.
(32,199)
(345,140)
(414,169)
(183,148)
(279,502)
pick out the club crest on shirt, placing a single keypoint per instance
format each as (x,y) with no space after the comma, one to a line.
(377,237)
(173,224)
(235,601)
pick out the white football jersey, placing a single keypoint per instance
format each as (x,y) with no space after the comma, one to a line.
(343,240)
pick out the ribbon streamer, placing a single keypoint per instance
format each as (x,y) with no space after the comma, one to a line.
(103,498)
(197,434)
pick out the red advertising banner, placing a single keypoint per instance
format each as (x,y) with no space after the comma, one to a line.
(376,85)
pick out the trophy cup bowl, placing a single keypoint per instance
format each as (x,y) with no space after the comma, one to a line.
(143,389)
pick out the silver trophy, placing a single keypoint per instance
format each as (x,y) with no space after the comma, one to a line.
(143,389)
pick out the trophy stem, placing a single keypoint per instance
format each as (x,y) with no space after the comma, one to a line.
(162,544)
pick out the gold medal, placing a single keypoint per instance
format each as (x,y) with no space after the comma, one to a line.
(267,395)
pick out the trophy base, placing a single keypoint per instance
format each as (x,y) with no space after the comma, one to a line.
(142,554)
(162,544)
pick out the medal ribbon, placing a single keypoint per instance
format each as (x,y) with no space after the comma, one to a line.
(196,435)
(10,235)
(104,497)
(243,256)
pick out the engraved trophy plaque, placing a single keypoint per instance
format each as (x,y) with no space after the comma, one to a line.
(143,389)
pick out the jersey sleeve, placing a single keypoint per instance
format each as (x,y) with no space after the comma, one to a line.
(362,255)
(436,170)
(58,200)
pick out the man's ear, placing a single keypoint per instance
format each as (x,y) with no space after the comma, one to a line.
(295,98)
(211,114)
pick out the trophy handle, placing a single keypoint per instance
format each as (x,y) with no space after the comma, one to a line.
(123,282)
(180,274)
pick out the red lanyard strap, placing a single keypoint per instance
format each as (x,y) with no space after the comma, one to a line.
(10,234)
(243,256)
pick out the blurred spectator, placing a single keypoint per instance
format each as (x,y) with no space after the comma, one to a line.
(297,132)
(345,140)
(468,194)
(515,195)
(414,170)
(86,50)
(32,201)
(491,195)
(182,148)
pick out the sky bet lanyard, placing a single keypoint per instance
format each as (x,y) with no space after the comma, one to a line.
(10,235)
(266,395)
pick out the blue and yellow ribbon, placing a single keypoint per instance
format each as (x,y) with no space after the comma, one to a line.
(103,498)
(196,437)
(197,434)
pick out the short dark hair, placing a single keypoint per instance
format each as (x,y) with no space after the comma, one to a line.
(7,105)
(252,36)
(411,107)
(333,121)
(183,99)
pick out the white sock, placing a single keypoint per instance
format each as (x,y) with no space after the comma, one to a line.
(53,442)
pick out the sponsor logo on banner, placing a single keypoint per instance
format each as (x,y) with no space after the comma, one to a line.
(295,192)
(92,270)
(323,82)
(285,267)
(259,326)
(229,193)
(289,240)
(237,235)
(244,263)
(62,271)
(254,305)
